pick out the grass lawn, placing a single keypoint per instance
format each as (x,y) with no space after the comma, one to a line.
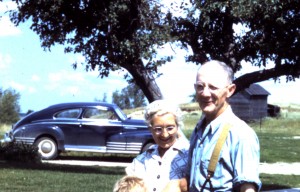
(64,178)
(272,182)
(279,141)
(279,138)
(60,178)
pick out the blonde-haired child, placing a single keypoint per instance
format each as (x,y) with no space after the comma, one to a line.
(130,184)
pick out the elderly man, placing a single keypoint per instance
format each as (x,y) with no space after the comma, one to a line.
(238,160)
(233,164)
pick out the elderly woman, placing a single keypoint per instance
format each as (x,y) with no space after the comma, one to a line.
(165,161)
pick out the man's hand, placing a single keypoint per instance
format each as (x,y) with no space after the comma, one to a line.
(248,187)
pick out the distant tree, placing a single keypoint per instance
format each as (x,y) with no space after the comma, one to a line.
(9,106)
(193,96)
(29,111)
(104,98)
(118,99)
(136,95)
(130,97)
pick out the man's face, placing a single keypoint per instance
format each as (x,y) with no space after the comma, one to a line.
(212,90)
(164,130)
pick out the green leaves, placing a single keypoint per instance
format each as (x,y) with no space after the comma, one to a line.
(9,106)
(113,34)
(130,97)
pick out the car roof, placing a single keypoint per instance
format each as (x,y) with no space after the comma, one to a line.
(62,106)
(48,111)
(81,104)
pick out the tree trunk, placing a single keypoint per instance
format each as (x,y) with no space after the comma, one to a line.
(145,81)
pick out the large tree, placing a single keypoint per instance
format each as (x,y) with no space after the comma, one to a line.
(271,35)
(110,34)
(114,34)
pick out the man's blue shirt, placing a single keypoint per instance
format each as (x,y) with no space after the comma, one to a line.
(239,159)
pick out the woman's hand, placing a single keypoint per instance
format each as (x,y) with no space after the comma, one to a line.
(179,185)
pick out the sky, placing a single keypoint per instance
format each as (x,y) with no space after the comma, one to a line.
(44,78)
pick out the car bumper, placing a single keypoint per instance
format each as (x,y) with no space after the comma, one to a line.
(7,138)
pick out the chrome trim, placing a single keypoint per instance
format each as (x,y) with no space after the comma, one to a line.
(116,143)
(135,126)
(123,152)
(104,123)
(130,127)
(25,140)
(118,147)
(85,148)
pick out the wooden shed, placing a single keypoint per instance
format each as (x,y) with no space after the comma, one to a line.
(250,103)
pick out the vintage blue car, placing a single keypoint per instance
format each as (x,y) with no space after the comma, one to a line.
(82,126)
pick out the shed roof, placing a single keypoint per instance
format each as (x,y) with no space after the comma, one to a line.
(256,89)
(238,99)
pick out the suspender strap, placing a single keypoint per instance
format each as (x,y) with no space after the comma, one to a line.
(215,156)
(210,185)
(217,150)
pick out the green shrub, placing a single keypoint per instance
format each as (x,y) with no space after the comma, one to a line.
(19,152)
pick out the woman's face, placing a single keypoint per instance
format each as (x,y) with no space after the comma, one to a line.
(164,130)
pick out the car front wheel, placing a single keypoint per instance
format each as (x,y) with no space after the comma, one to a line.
(47,148)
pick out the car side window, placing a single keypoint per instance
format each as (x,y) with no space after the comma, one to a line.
(69,113)
(94,113)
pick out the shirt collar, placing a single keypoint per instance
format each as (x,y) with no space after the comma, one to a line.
(179,145)
(216,123)
(221,119)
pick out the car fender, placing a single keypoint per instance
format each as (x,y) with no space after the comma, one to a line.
(144,137)
(36,131)
(130,141)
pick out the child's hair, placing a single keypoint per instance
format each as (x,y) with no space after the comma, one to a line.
(130,184)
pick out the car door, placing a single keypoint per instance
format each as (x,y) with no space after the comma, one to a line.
(97,124)
(67,121)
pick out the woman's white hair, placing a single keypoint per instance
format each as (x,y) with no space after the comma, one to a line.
(161,107)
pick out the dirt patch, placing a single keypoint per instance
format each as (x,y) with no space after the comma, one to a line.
(268,168)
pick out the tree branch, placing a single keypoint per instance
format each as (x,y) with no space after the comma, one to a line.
(265,74)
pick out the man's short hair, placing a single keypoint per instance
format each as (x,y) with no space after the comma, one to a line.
(225,67)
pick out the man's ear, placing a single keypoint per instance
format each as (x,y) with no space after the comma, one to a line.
(231,90)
